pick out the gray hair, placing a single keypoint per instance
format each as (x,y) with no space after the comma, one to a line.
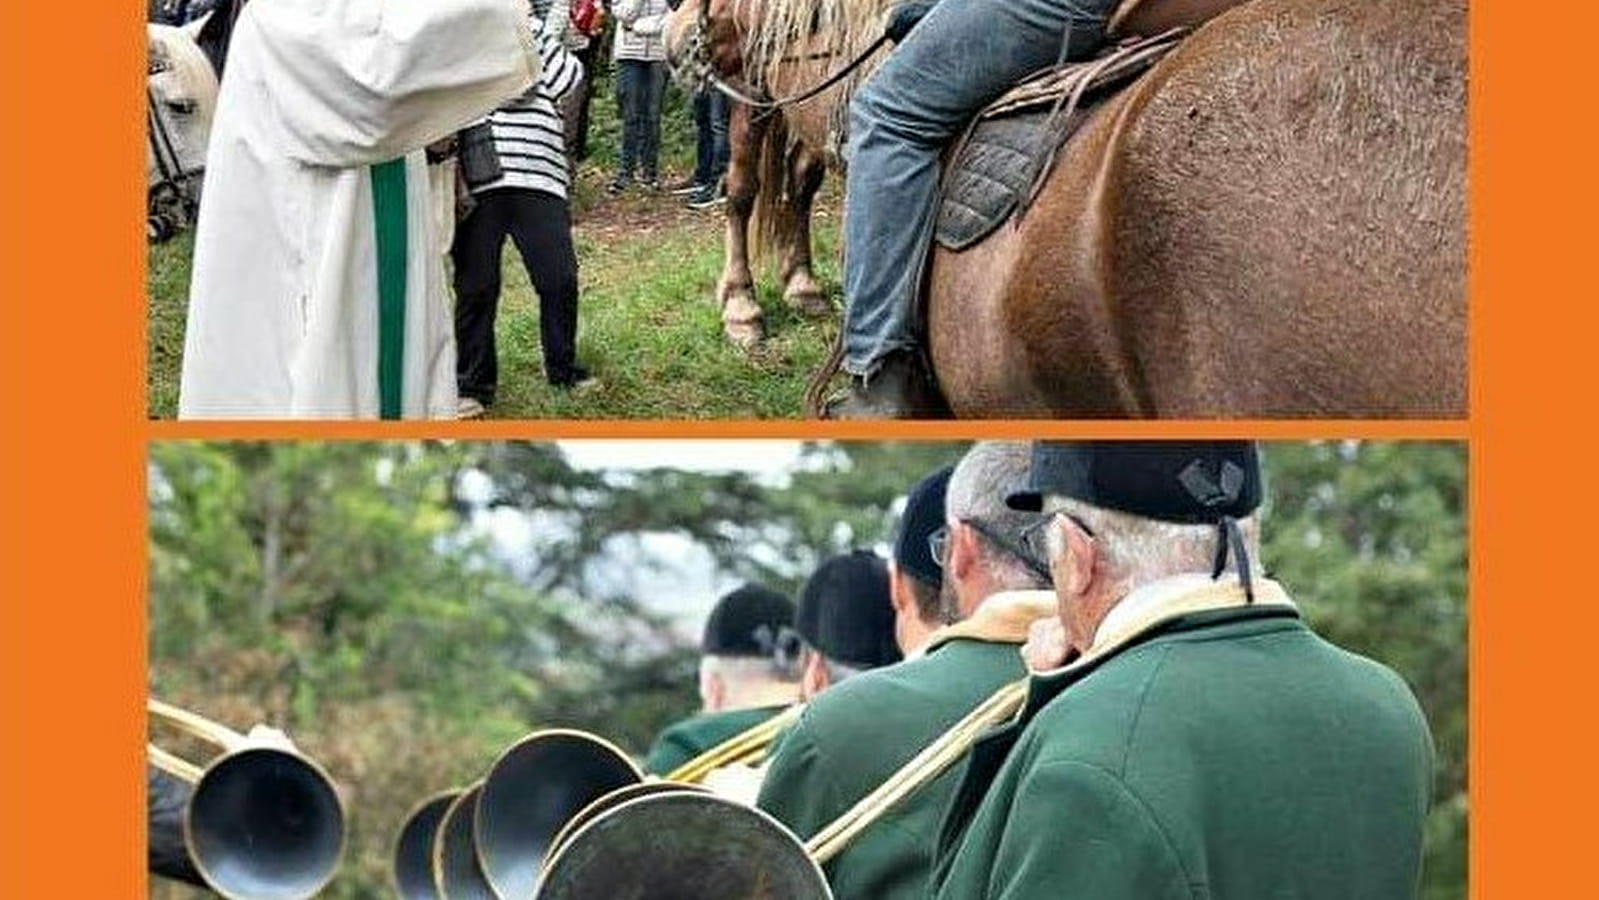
(1139,550)
(751,670)
(985,476)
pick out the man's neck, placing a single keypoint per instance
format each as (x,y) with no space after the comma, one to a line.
(1148,599)
(762,696)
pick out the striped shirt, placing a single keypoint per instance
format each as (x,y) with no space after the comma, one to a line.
(529,133)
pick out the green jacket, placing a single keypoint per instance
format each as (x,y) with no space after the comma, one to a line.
(687,739)
(856,734)
(1228,754)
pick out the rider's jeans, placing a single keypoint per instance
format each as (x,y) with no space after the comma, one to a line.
(962,55)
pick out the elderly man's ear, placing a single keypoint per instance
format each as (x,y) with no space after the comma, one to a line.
(964,551)
(816,677)
(1072,555)
(713,692)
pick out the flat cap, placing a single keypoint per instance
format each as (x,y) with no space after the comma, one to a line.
(845,611)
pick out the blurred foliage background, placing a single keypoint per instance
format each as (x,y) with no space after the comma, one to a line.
(352,593)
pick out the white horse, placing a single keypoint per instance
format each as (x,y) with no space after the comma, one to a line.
(181,98)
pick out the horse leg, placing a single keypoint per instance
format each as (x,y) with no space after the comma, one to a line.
(735,292)
(800,287)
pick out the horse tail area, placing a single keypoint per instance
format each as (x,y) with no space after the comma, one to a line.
(1278,226)
(772,219)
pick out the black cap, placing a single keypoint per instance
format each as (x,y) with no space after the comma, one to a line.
(845,611)
(1193,482)
(747,622)
(924,514)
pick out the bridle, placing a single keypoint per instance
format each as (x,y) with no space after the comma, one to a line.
(704,70)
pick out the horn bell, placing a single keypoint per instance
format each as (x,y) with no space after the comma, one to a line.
(612,800)
(413,849)
(682,846)
(456,873)
(265,824)
(531,791)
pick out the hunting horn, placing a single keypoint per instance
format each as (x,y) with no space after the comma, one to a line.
(535,786)
(457,875)
(263,822)
(490,841)
(678,844)
(413,848)
(748,748)
(682,845)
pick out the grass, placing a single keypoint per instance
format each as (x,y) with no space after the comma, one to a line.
(648,325)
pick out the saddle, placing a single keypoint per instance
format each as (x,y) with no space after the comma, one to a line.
(997,167)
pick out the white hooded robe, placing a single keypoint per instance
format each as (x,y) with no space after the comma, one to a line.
(316,182)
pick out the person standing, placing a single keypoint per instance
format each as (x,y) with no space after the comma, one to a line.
(315,289)
(845,621)
(915,576)
(746,677)
(583,39)
(1193,737)
(706,186)
(639,51)
(521,195)
(992,597)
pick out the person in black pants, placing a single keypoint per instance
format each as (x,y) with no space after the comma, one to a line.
(515,164)
(540,225)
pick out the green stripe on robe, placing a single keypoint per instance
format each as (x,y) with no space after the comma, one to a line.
(389,216)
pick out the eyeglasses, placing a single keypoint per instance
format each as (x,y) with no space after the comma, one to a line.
(1029,548)
(1035,540)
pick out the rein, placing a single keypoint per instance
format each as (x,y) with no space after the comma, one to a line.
(700,57)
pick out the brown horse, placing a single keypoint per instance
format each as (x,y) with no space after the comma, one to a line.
(777,158)
(1269,223)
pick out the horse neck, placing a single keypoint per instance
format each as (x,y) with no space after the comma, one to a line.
(780,34)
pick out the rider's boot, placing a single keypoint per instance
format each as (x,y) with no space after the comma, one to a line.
(901,388)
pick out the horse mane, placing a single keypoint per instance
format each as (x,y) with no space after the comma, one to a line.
(776,31)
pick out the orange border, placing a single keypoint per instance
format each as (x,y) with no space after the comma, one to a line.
(967,430)
(72,664)
(71,464)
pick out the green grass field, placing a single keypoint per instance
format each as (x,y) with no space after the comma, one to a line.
(648,324)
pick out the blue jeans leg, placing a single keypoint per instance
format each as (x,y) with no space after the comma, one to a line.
(628,100)
(720,148)
(704,140)
(653,88)
(961,56)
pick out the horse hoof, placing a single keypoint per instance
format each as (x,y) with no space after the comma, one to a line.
(743,335)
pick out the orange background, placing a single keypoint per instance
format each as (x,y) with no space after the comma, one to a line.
(71,461)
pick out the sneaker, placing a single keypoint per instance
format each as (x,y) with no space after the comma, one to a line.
(618,186)
(711,195)
(685,187)
(575,380)
(650,184)
(469,408)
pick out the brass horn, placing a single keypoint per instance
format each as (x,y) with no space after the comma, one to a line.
(413,849)
(456,872)
(489,842)
(263,823)
(612,800)
(679,844)
(682,845)
(748,748)
(531,791)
